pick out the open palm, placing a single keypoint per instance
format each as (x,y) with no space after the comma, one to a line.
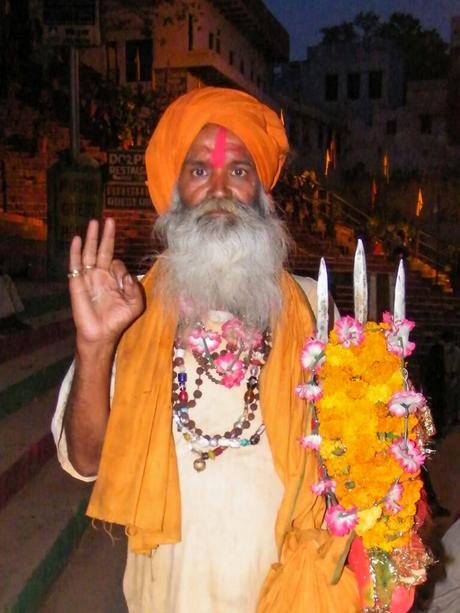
(105,298)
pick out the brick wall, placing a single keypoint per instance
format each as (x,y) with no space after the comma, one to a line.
(134,242)
(25,185)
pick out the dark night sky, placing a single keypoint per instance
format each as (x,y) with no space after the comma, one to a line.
(303,19)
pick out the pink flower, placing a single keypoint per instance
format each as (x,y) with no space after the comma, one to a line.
(312,441)
(232,369)
(235,333)
(309,391)
(312,355)
(349,331)
(325,486)
(341,521)
(410,458)
(391,499)
(398,336)
(197,336)
(401,402)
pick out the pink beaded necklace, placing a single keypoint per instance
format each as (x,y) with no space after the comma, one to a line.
(245,352)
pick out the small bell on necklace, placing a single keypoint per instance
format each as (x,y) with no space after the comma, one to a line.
(199,465)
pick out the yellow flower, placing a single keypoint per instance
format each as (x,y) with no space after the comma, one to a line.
(357,431)
(367,519)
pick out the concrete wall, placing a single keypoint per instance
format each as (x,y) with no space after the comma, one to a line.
(409,148)
(198,37)
(414,123)
(341,59)
(172,41)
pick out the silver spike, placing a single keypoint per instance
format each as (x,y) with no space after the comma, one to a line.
(322,314)
(360,284)
(399,309)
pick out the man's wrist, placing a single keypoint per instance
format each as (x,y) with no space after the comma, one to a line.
(91,352)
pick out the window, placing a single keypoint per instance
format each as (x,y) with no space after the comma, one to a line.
(112,62)
(242,66)
(331,87)
(375,84)
(353,85)
(190,32)
(391,127)
(426,124)
(231,57)
(218,41)
(139,60)
(211,40)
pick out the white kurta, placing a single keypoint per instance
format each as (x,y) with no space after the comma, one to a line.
(228,513)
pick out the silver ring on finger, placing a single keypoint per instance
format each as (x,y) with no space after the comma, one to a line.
(87,267)
(73,273)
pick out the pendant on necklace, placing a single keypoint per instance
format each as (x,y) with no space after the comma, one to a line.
(199,465)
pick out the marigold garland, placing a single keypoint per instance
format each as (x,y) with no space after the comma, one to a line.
(368,433)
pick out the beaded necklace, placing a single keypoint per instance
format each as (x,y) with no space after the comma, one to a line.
(242,358)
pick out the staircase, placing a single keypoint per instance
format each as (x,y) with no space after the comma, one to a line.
(430,301)
(41,510)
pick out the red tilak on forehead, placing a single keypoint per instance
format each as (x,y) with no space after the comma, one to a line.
(218,155)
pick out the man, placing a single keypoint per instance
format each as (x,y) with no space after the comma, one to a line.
(212,486)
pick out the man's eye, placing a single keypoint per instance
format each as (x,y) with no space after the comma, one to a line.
(198,172)
(239,172)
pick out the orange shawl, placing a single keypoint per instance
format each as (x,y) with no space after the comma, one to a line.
(138,482)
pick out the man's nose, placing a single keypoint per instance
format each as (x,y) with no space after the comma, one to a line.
(219,187)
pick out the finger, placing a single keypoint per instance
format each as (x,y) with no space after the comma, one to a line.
(105,252)
(118,271)
(90,246)
(134,293)
(75,254)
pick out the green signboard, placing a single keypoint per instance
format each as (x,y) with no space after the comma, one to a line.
(74,197)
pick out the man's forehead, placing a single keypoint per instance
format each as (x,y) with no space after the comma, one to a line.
(217,141)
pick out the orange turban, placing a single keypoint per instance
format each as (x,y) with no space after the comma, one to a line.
(255,124)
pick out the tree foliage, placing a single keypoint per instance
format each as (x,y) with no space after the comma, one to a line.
(425,53)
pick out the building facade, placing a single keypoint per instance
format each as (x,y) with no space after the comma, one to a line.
(387,124)
(180,46)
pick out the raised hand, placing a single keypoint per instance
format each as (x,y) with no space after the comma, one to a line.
(105,298)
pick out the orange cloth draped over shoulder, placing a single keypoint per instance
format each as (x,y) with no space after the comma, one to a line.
(255,124)
(138,481)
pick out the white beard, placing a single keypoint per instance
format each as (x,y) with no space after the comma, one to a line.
(230,261)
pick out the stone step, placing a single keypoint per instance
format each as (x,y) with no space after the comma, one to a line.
(39,527)
(46,315)
(22,342)
(92,580)
(28,376)
(26,444)
(28,391)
